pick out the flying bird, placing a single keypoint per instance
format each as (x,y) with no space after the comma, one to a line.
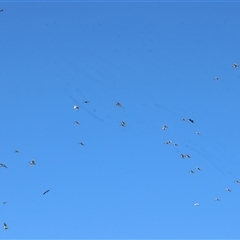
(198,168)
(168,142)
(76,108)
(217,78)
(182,155)
(184,119)
(235,65)
(190,120)
(196,204)
(82,144)
(198,133)
(4,202)
(191,171)
(123,124)
(175,144)
(1,10)
(5,226)
(32,162)
(46,192)
(188,156)
(3,165)
(118,104)
(237,181)
(77,122)
(228,189)
(217,199)
(164,127)
(16,151)
(86,101)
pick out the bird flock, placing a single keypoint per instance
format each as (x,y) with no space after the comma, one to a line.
(123,124)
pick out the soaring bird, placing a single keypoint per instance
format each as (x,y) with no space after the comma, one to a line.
(46,192)
(32,162)
(86,101)
(235,65)
(118,104)
(164,127)
(198,168)
(77,122)
(237,181)
(1,10)
(123,124)
(76,108)
(3,165)
(228,189)
(175,144)
(5,226)
(188,156)
(190,120)
(82,144)
(191,171)
(217,199)
(196,204)
(168,142)
(184,119)
(4,202)
(182,155)
(217,78)
(16,151)
(198,133)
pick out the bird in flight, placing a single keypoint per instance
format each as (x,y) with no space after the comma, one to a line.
(191,171)
(196,204)
(198,168)
(76,108)
(182,155)
(5,226)
(217,199)
(175,144)
(164,127)
(235,65)
(118,104)
(82,144)
(46,192)
(184,119)
(123,124)
(198,133)
(188,156)
(190,120)
(237,181)
(16,151)
(217,78)
(86,101)
(4,202)
(3,165)
(168,142)
(228,189)
(77,122)
(1,10)
(32,162)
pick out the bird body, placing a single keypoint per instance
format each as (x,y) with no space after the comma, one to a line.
(190,120)
(5,226)
(81,143)
(3,165)
(118,104)
(32,162)
(123,124)
(235,65)
(46,192)
(76,108)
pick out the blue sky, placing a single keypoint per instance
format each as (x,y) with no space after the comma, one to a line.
(159,60)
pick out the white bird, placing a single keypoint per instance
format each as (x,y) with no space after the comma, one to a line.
(118,104)
(32,162)
(5,226)
(123,124)
(228,189)
(196,204)
(76,108)
(164,127)
(235,65)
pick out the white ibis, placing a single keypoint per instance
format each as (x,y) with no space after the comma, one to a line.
(196,204)
(76,108)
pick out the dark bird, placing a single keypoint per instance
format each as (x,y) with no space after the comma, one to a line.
(237,181)
(86,101)
(123,124)
(4,202)
(77,122)
(32,162)
(168,142)
(164,127)
(235,65)
(82,144)
(190,120)
(1,10)
(198,168)
(3,165)
(175,144)
(217,199)
(217,78)
(228,189)
(182,155)
(118,104)
(188,156)
(46,192)
(184,119)
(16,151)
(5,226)
(191,171)
(198,133)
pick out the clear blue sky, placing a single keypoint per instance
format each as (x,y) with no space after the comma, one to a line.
(159,60)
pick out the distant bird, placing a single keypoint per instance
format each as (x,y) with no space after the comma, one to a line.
(228,189)
(4,202)
(32,162)
(3,165)
(5,226)
(1,10)
(184,119)
(237,181)
(118,104)
(164,127)
(217,78)
(86,101)
(168,142)
(217,199)
(235,65)
(82,144)
(198,168)
(182,155)
(196,204)
(190,120)
(16,151)
(123,124)
(198,133)
(76,108)
(191,171)
(46,192)
(188,156)
(175,144)
(77,122)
